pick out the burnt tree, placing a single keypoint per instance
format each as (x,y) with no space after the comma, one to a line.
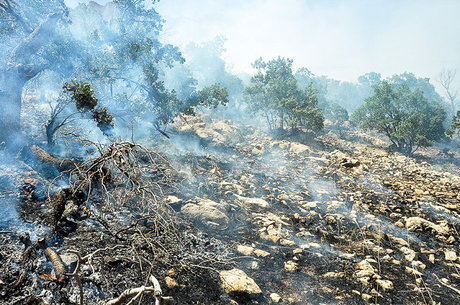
(20,68)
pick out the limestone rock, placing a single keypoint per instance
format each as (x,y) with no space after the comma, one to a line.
(385,284)
(170,282)
(208,213)
(275,297)
(246,250)
(298,148)
(420,224)
(261,253)
(290,266)
(253,202)
(237,281)
(450,256)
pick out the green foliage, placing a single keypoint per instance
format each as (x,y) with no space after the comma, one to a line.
(83,95)
(336,113)
(417,83)
(455,125)
(212,96)
(103,118)
(275,93)
(406,117)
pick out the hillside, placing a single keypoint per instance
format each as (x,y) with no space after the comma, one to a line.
(252,219)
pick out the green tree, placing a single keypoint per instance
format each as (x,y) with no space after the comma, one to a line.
(336,113)
(406,117)
(81,96)
(275,93)
(455,125)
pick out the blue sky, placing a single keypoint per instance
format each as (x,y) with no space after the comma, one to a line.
(341,39)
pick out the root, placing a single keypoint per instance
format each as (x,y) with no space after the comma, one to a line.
(136,293)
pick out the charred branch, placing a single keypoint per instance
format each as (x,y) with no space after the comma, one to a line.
(136,293)
(55,259)
(81,260)
(43,156)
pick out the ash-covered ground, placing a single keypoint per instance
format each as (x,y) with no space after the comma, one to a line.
(246,218)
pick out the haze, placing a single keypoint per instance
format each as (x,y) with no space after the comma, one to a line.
(340,39)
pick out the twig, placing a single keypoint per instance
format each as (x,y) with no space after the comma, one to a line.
(135,293)
(448,286)
(81,260)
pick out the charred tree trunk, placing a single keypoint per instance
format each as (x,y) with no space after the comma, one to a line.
(15,75)
(48,159)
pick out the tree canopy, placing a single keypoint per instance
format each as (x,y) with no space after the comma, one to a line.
(274,92)
(115,49)
(405,116)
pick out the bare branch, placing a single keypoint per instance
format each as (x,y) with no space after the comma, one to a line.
(446,78)
(135,293)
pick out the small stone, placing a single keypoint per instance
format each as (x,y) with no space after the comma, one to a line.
(366,297)
(334,274)
(385,284)
(253,202)
(290,266)
(450,256)
(273,238)
(246,250)
(413,271)
(420,224)
(173,200)
(261,253)
(287,242)
(297,251)
(170,282)
(419,264)
(310,245)
(275,297)
(409,254)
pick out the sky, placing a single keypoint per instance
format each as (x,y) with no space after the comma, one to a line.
(340,39)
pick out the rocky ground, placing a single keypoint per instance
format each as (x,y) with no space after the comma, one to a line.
(257,219)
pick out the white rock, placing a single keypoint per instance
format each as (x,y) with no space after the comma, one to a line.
(236,280)
(409,253)
(246,250)
(298,148)
(450,256)
(208,212)
(275,297)
(418,223)
(251,202)
(385,284)
(290,266)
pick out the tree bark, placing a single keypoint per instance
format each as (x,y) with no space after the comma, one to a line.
(15,75)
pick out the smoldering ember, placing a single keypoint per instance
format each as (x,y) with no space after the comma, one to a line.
(133,171)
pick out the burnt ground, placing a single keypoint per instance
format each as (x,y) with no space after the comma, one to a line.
(338,220)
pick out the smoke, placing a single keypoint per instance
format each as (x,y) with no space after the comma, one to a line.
(341,39)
